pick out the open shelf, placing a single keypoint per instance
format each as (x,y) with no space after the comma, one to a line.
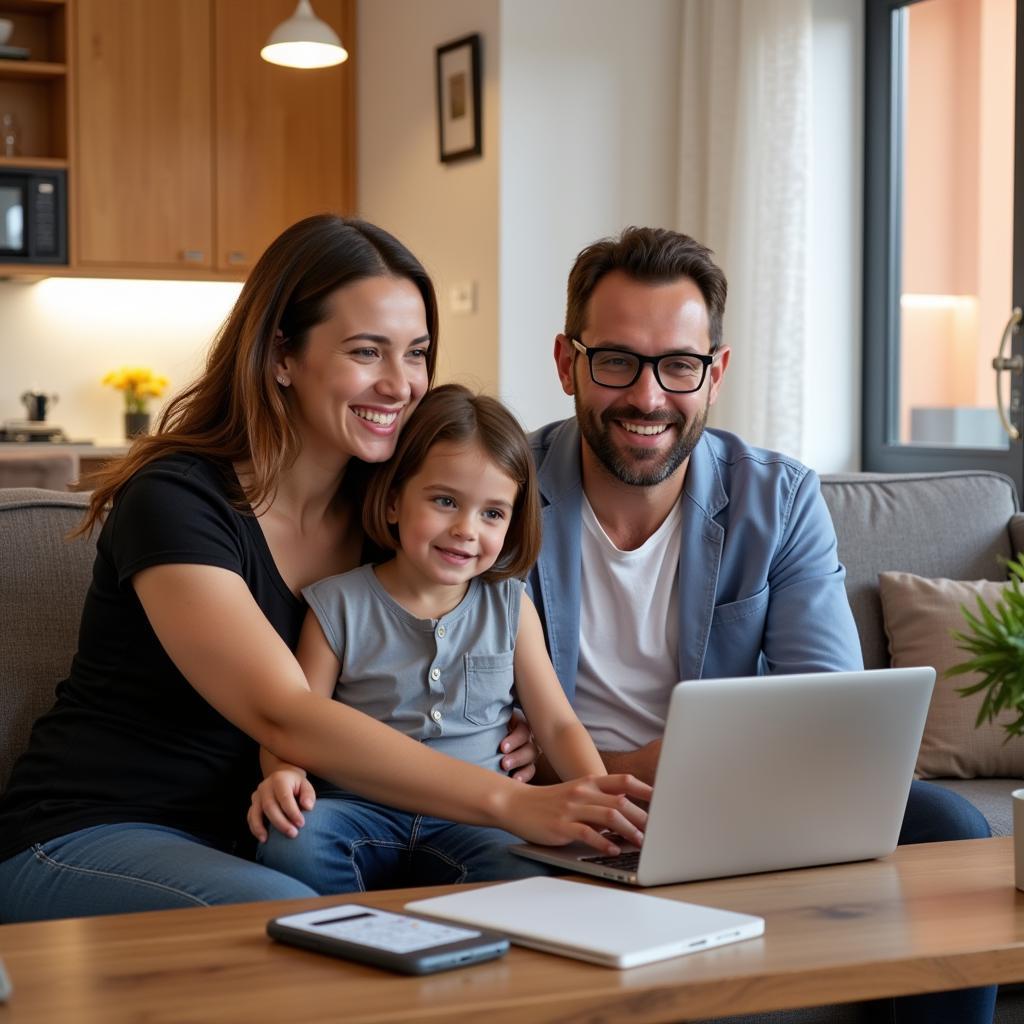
(30,6)
(44,162)
(31,69)
(35,91)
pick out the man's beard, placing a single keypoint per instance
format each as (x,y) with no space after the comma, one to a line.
(644,467)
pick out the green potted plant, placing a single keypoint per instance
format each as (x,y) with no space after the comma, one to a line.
(995,641)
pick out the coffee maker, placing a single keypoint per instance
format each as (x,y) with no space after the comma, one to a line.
(35,427)
(36,404)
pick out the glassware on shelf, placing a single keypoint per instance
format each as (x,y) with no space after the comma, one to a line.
(8,135)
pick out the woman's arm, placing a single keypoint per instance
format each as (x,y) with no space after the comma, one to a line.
(285,792)
(319,665)
(213,630)
(565,742)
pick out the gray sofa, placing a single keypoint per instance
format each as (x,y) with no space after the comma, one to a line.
(955,525)
(960,526)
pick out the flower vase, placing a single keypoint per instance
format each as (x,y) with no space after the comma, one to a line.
(135,423)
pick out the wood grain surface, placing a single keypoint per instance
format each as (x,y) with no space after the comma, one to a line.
(927,918)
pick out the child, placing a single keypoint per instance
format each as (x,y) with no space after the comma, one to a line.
(432,642)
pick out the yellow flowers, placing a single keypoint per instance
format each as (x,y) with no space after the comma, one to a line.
(139,385)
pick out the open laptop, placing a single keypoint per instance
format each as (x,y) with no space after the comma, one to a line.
(772,772)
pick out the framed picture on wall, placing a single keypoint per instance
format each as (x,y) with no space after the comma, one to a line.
(458,99)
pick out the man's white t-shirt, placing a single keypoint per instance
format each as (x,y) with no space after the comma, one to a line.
(629,633)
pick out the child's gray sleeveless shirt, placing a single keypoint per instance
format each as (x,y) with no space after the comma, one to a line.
(447,682)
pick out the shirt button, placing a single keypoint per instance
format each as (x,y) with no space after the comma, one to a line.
(435,715)
(441,632)
(435,674)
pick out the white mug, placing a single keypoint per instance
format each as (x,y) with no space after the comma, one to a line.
(1018,837)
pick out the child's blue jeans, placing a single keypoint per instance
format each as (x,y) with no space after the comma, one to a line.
(350,844)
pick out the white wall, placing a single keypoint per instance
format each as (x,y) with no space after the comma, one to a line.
(60,336)
(832,359)
(588,140)
(445,213)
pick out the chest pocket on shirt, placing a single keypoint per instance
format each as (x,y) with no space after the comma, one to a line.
(489,679)
(737,635)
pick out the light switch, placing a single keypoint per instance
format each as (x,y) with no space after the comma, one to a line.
(462,298)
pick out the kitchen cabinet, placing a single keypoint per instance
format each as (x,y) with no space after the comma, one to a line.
(285,136)
(145,133)
(192,152)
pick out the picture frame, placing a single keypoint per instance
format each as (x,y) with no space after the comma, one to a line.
(459,115)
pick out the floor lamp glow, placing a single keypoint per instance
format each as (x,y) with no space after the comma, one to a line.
(304,41)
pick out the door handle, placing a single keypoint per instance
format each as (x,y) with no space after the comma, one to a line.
(1014,364)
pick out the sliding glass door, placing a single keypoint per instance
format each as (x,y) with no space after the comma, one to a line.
(944,231)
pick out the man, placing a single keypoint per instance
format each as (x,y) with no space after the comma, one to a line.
(672,551)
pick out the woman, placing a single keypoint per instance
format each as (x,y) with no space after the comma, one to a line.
(132,793)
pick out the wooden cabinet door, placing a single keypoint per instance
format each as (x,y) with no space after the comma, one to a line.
(144,138)
(285,137)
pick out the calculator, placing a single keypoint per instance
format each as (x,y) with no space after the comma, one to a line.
(407,943)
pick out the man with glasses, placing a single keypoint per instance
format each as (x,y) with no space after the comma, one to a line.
(674,552)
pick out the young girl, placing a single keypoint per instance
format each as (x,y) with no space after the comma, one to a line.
(433,642)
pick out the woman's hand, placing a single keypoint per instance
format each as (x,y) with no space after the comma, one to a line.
(279,798)
(579,811)
(519,752)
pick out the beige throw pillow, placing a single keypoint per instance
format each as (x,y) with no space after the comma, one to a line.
(920,616)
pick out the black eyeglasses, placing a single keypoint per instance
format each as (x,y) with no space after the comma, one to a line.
(678,372)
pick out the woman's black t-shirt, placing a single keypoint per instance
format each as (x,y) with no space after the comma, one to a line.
(128,738)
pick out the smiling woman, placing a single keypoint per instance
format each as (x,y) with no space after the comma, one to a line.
(349,389)
(133,791)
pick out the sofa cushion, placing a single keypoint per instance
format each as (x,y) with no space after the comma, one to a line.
(954,525)
(43,580)
(990,796)
(921,616)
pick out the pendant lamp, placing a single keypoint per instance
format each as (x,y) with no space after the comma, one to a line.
(304,41)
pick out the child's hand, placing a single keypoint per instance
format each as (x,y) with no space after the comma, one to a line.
(278,798)
(578,811)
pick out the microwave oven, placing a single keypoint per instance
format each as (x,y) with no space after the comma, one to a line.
(33,215)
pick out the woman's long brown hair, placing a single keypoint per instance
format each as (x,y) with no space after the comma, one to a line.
(235,412)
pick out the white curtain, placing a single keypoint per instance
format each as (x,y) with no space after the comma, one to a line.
(745,163)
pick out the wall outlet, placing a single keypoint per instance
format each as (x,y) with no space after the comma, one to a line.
(462,298)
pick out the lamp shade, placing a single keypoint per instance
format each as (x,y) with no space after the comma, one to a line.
(304,41)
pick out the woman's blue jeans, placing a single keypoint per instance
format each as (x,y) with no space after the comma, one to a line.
(350,844)
(117,869)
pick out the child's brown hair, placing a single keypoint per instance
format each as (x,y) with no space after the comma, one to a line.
(453,413)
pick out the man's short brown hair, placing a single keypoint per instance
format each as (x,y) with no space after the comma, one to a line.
(653,256)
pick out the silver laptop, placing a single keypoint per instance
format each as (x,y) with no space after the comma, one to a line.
(773,772)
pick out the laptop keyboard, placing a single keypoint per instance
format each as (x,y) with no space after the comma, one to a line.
(623,861)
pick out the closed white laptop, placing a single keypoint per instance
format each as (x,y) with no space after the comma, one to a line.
(773,772)
(590,922)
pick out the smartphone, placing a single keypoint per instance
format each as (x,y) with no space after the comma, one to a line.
(406,943)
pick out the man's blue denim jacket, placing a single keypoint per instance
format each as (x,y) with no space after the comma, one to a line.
(761,583)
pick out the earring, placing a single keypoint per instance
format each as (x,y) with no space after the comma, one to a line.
(283,380)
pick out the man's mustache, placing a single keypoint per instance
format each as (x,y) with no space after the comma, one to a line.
(631,412)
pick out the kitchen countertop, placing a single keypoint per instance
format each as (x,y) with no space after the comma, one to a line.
(89,449)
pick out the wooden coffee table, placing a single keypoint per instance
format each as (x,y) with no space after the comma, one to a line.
(933,917)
